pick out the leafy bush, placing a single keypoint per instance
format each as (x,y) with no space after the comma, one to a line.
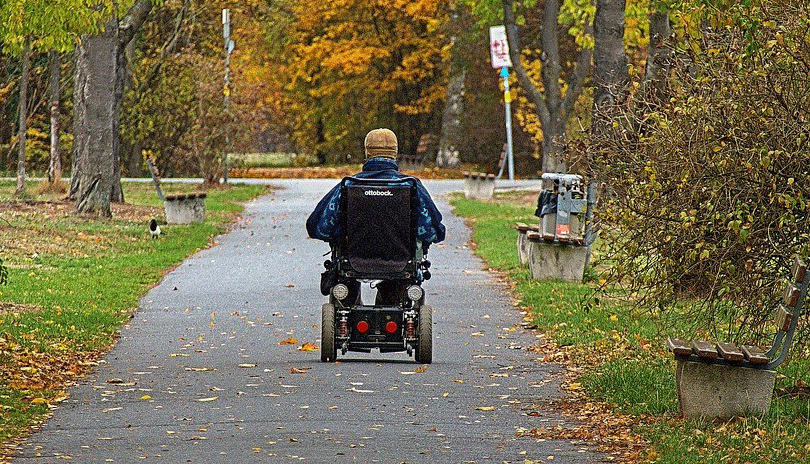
(709,192)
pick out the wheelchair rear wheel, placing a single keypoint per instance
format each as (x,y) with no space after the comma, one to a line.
(328,347)
(424,347)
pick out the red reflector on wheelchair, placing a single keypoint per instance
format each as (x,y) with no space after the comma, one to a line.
(391,327)
(362,326)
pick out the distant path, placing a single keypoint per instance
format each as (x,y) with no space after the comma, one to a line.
(200,376)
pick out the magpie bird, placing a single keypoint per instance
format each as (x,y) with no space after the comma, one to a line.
(154,228)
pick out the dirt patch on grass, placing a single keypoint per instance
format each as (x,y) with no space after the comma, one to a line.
(13,308)
(39,228)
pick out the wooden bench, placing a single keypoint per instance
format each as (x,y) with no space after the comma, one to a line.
(481,185)
(721,380)
(426,148)
(750,355)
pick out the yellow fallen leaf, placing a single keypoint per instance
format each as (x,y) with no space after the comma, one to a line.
(39,401)
(308,346)
(247,365)
(295,370)
(205,400)
(288,341)
(146,397)
(485,408)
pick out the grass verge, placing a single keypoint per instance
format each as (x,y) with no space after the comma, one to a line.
(621,386)
(74,280)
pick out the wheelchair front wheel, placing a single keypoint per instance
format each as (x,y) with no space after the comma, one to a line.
(328,347)
(424,347)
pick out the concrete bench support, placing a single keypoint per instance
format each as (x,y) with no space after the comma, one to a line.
(479,185)
(709,391)
(185,208)
(522,244)
(555,261)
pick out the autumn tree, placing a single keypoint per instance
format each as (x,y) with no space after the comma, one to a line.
(354,65)
(175,110)
(555,96)
(98,89)
(32,26)
(709,191)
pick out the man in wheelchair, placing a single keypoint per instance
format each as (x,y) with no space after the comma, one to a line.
(379,224)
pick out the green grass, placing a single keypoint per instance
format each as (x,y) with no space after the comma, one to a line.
(626,365)
(73,281)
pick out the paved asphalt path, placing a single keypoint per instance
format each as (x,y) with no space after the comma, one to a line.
(200,374)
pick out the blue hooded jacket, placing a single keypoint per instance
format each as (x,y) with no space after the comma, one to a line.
(323,222)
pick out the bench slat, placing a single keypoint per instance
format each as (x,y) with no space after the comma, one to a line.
(678,347)
(521,226)
(533,236)
(792,295)
(799,270)
(534,228)
(784,316)
(730,352)
(704,350)
(754,354)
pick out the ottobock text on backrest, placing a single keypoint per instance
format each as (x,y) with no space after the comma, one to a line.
(379,226)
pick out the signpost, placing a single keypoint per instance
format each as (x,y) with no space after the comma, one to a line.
(226,91)
(499,53)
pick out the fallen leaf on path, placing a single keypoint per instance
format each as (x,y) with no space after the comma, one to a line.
(295,370)
(288,341)
(355,390)
(485,408)
(308,346)
(205,400)
(247,365)
(421,369)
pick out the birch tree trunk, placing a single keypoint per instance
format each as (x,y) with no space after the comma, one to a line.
(23,121)
(55,165)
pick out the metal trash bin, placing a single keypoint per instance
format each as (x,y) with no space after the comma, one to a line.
(561,209)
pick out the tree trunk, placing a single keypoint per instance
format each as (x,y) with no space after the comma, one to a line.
(659,55)
(96,117)
(23,121)
(610,61)
(55,166)
(98,90)
(447,155)
(553,108)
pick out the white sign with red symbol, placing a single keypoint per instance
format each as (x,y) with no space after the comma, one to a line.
(499,47)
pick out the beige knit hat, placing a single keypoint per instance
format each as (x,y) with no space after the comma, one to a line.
(381,142)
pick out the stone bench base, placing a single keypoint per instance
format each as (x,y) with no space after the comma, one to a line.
(710,391)
(555,261)
(478,185)
(185,208)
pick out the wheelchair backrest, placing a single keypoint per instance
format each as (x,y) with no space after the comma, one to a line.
(379,219)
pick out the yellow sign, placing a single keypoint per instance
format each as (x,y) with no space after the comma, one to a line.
(507,97)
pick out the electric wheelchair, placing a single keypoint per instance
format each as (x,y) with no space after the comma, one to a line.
(377,243)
